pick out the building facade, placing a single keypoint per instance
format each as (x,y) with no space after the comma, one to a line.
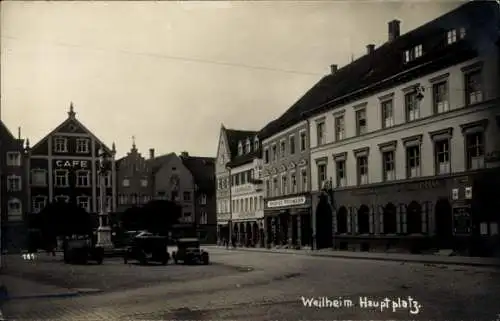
(13,202)
(409,150)
(247,200)
(134,179)
(227,150)
(64,166)
(286,175)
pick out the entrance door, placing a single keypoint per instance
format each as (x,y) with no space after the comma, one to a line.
(444,223)
(324,230)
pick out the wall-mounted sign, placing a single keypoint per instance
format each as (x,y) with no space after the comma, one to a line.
(462,224)
(247,188)
(72,163)
(468,193)
(454,194)
(292,201)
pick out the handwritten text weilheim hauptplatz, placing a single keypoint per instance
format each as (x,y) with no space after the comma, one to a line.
(364,302)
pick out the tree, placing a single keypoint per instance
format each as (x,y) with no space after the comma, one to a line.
(61,218)
(132,219)
(160,215)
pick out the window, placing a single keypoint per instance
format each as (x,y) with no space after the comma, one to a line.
(266,155)
(362,164)
(413,161)
(38,177)
(248,146)
(282,148)
(203,199)
(303,178)
(321,175)
(473,87)
(440,97)
(442,156)
(284,185)
(292,145)
(61,178)
(60,145)
(14,208)
(187,217)
(62,198)
(82,178)
(38,203)
(107,179)
(268,188)
(412,106)
(126,182)
(293,181)
(360,122)
(451,36)
(82,145)
(463,33)
(187,196)
(240,148)
(389,169)
(408,56)
(339,128)
(14,183)
(144,182)
(387,114)
(203,218)
(275,186)
(475,150)
(418,51)
(303,141)
(340,173)
(256,143)
(83,202)
(275,152)
(320,132)
(13,159)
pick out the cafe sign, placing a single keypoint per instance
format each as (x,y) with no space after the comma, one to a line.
(72,164)
(292,201)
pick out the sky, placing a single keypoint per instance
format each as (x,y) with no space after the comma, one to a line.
(170,73)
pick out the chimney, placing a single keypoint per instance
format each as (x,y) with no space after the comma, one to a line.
(184,154)
(19,133)
(334,68)
(151,153)
(370,49)
(394,30)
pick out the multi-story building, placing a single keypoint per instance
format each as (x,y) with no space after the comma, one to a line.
(12,189)
(286,173)
(406,134)
(134,174)
(247,201)
(64,166)
(227,150)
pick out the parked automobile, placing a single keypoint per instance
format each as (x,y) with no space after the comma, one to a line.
(189,252)
(81,249)
(146,247)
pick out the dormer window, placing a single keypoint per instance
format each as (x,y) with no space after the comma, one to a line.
(413,53)
(256,143)
(240,148)
(248,147)
(451,36)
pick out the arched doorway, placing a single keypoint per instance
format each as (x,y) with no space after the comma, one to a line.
(414,218)
(390,219)
(324,220)
(342,220)
(444,222)
(364,219)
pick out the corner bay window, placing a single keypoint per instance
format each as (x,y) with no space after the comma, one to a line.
(413,161)
(475,150)
(442,155)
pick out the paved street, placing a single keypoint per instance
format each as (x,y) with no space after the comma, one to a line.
(273,289)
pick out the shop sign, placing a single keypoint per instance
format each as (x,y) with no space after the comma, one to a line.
(454,194)
(293,201)
(72,164)
(462,224)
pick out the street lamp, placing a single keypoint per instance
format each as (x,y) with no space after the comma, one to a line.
(103,231)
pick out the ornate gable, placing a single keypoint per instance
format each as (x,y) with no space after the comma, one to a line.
(223,155)
(71,126)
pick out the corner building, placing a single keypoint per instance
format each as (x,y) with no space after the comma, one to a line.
(64,165)
(412,147)
(286,173)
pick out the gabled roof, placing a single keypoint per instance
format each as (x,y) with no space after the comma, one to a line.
(240,160)
(203,171)
(4,131)
(234,136)
(72,120)
(156,163)
(385,67)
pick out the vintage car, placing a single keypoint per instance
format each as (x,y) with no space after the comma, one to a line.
(146,247)
(81,249)
(189,252)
